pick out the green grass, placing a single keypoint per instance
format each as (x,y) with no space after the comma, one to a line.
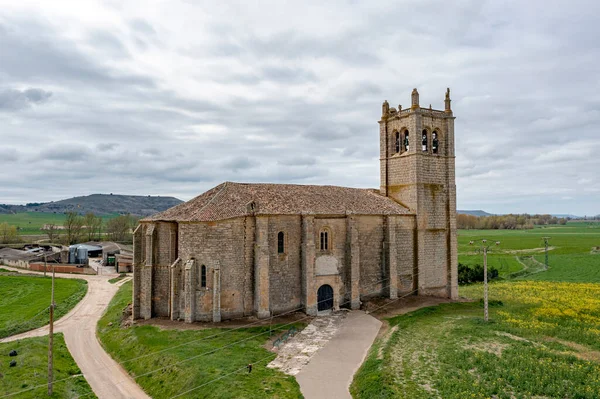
(570,257)
(191,365)
(32,367)
(543,342)
(30,223)
(24,301)
(117,279)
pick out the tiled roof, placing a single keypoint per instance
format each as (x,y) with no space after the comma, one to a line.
(229,200)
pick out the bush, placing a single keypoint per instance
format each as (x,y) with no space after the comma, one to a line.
(472,274)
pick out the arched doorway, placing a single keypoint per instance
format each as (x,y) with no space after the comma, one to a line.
(324,297)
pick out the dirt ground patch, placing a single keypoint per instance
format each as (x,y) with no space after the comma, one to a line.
(383,308)
(581,351)
(251,321)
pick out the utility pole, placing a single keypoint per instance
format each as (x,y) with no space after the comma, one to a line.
(45,264)
(485,282)
(546,239)
(51,338)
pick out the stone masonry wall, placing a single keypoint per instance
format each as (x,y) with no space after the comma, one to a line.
(338,246)
(370,238)
(163,255)
(212,243)
(406,244)
(285,280)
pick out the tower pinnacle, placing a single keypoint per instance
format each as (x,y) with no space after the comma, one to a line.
(415,99)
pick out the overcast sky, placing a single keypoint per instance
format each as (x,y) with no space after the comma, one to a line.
(172,98)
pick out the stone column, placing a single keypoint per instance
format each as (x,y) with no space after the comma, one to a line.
(217,293)
(189,278)
(146,276)
(309,293)
(175,289)
(352,232)
(138,255)
(392,255)
(261,268)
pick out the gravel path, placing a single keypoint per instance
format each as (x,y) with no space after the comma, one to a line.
(106,377)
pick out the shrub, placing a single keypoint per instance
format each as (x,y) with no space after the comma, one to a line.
(472,274)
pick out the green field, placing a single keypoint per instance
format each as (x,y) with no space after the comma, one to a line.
(570,254)
(215,366)
(24,300)
(30,223)
(543,340)
(542,343)
(29,376)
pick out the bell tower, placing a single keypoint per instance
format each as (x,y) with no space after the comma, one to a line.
(418,171)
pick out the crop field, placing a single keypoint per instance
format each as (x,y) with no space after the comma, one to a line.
(208,363)
(24,301)
(571,251)
(30,223)
(542,341)
(29,378)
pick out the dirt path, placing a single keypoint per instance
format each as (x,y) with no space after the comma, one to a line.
(106,377)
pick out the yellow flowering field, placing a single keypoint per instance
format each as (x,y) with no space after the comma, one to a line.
(561,310)
(542,341)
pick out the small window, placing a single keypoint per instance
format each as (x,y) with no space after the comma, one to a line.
(424,141)
(324,240)
(280,242)
(398,142)
(203,276)
(406,142)
(435,142)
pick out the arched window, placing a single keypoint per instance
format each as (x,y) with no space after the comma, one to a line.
(324,243)
(398,142)
(435,142)
(203,276)
(406,142)
(280,242)
(424,141)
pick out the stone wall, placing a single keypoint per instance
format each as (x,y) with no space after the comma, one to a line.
(370,241)
(217,244)
(285,286)
(336,228)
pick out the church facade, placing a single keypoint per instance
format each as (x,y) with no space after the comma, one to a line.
(265,249)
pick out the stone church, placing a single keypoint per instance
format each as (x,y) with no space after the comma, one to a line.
(244,249)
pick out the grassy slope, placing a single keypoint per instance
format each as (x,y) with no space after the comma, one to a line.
(448,351)
(32,366)
(135,341)
(32,222)
(23,300)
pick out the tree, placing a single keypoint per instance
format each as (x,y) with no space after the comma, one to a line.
(93,225)
(120,228)
(73,227)
(8,233)
(52,231)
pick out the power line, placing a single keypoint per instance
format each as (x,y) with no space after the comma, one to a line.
(241,368)
(197,340)
(300,307)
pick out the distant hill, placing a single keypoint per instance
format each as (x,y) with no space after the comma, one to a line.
(563,215)
(100,204)
(474,213)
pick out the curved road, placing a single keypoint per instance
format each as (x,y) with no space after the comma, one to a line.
(106,377)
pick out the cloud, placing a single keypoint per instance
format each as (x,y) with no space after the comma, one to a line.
(177,98)
(13,99)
